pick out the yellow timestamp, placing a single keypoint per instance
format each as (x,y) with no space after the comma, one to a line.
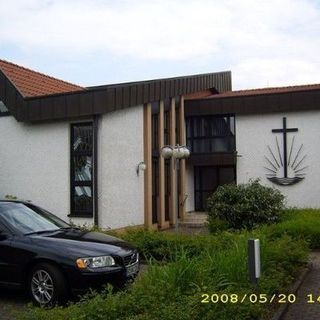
(311,298)
(251,298)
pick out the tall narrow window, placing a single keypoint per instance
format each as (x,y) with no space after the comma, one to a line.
(82,169)
(155,161)
(155,165)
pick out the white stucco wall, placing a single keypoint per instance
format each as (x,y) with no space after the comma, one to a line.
(190,188)
(253,135)
(120,190)
(34,163)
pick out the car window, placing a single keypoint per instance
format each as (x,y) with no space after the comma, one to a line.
(2,228)
(28,219)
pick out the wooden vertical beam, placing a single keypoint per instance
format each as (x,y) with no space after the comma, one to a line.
(161,211)
(147,135)
(182,168)
(173,174)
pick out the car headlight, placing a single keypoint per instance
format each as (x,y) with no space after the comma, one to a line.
(95,262)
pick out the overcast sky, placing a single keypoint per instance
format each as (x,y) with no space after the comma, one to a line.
(92,42)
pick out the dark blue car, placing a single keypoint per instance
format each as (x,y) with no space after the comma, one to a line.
(50,259)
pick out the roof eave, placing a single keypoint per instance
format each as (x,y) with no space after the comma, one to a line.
(105,99)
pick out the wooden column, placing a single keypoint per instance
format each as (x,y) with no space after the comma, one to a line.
(183,180)
(161,211)
(173,173)
(147,135)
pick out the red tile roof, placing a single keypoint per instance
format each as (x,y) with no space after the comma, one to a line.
(260,91)
(32,84)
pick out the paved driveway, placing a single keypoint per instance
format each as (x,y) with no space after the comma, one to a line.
(302,310)
(11,301)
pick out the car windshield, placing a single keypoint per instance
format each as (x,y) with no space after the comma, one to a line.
(29,218)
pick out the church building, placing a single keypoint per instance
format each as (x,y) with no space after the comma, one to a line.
(95,155)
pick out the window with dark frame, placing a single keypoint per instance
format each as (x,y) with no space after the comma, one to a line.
(211,133)
(155,163)
(82,169)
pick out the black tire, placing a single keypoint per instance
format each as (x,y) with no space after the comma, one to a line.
(46,285)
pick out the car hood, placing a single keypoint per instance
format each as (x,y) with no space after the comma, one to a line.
(78,243)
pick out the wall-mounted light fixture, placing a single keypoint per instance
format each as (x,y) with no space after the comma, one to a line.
(140,167)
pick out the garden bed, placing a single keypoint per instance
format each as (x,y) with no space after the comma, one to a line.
(182,268)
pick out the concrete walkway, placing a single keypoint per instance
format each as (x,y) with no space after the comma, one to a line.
(301,309)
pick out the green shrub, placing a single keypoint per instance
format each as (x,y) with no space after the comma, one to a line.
(217,225)
(246,205)
(10,197)
(163,246)
(298,223)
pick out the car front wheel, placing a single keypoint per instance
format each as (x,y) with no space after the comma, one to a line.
(47,285)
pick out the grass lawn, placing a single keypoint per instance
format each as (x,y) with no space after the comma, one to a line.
(184,267)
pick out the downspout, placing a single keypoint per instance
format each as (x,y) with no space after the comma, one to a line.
(95,171)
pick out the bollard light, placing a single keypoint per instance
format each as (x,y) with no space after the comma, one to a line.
(254,261)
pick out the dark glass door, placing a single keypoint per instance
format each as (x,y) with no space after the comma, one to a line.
(206,181)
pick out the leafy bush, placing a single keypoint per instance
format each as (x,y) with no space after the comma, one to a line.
(217,225)
(245,205)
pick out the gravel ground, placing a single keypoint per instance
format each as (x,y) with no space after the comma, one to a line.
(11,301)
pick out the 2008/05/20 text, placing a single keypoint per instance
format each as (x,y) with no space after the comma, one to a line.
(255,298)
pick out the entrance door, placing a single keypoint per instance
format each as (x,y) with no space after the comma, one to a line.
(206,181)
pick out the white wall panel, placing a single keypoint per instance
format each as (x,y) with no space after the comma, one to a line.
(254,134)
(121,191)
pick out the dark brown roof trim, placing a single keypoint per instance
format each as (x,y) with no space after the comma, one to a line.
(11,97)
(99,100)
(259,91)
(256,104)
